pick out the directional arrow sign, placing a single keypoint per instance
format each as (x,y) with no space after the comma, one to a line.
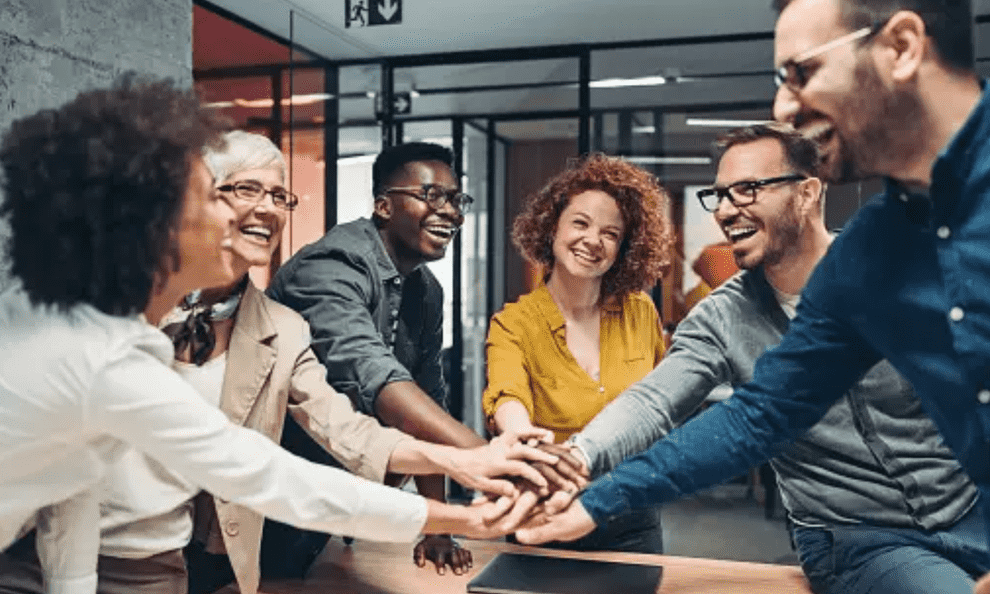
(385,12)
(401,103)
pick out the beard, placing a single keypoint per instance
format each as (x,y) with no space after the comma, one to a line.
(882,129)
(783,233)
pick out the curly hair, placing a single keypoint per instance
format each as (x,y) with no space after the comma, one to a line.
(94,192)
(644,255)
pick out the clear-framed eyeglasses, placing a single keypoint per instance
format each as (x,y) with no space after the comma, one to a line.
(436,196)
(795,73)
(253,193)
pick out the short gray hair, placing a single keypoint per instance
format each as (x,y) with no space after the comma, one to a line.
(245,150)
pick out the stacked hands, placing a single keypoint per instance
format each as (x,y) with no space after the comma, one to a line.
(524,482)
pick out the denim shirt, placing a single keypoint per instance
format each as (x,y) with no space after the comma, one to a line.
(875,457)
(909,281)
(370,326)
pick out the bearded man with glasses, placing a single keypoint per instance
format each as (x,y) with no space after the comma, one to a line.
(907,279)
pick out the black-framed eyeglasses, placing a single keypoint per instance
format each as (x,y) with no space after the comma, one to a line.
(741,193)
(794,73)
(253,192)
(436,196)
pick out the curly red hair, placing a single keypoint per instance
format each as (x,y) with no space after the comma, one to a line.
(644,255)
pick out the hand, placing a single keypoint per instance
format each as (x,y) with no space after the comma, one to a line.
(442,550)
(572,523)
(506,455)
(569,474)
(982,586)
(489,518)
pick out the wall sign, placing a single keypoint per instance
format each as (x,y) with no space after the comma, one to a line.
(366,13)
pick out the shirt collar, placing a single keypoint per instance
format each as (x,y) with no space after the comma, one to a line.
(385,264)
(551,313)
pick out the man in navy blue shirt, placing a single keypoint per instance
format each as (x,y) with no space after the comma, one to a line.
(888,87)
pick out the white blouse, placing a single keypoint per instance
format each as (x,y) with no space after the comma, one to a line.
(75,385)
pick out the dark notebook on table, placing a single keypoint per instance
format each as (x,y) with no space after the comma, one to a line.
(512,573)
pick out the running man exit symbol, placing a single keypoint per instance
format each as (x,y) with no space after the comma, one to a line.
(365,13)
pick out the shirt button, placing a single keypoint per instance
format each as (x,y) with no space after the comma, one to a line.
(231,528)
(903,196)
(396,280)
(956,314)
(983,396)
(601,389)
(943,232)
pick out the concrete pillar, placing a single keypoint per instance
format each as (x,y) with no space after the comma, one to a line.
(50,50)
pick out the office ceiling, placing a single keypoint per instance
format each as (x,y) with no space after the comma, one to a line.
(715,57)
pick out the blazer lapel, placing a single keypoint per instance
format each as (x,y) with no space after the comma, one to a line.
(250,358)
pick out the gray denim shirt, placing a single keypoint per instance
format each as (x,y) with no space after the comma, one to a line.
(875,457)
(370,326)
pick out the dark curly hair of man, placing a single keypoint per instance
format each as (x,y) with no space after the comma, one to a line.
(94,189)
(644,255)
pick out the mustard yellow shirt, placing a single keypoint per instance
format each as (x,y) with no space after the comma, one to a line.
(528,360)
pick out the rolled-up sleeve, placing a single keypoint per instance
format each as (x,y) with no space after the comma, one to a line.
(333,290)
(356,440)
(508,377)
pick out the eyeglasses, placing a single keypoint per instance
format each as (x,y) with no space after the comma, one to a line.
(794,73)
(253,192)
(741,193)
(437,196)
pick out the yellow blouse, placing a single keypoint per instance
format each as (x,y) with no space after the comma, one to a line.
(528,360)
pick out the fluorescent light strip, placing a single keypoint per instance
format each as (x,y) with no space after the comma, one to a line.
(356,160)
(267,103)
(714,123)
(615,83)
(670,160)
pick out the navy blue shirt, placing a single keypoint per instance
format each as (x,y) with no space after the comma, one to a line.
(909,281)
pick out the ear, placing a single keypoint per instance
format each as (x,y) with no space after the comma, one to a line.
(383,207)
(810,194)
(905,40)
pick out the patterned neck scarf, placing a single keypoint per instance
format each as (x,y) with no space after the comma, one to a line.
(190,325)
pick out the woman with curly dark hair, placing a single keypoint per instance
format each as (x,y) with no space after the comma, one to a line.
(114,217)
(556,357)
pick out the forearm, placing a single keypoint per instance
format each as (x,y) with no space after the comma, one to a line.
(404,406)
(432,486)
(511,415)
(628,425)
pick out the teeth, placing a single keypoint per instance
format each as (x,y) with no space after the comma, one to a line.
(739,232)
(442,231)
(256,230)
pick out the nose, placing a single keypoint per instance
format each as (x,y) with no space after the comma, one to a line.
(785,105)
(725,210)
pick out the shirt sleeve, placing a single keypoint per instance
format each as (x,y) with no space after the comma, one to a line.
(508,377)
(144,403)
(356,440)
(793,386)
(649,409)
(68,544)
(333,291)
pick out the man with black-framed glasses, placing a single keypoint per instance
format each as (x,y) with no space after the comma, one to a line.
(850,484)
(376,311)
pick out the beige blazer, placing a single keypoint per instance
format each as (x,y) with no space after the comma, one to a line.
(271,370)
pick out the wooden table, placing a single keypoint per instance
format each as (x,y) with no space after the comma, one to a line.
(382,568)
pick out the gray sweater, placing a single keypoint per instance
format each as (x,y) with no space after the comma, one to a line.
(874,458)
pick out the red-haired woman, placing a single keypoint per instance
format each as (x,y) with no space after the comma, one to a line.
(561,353)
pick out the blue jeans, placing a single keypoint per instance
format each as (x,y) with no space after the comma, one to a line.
(864,559)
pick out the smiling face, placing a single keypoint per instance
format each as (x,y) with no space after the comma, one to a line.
(865,126)
(205,227)
(767,230)
(412,230)
(588,236)
(257,226)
